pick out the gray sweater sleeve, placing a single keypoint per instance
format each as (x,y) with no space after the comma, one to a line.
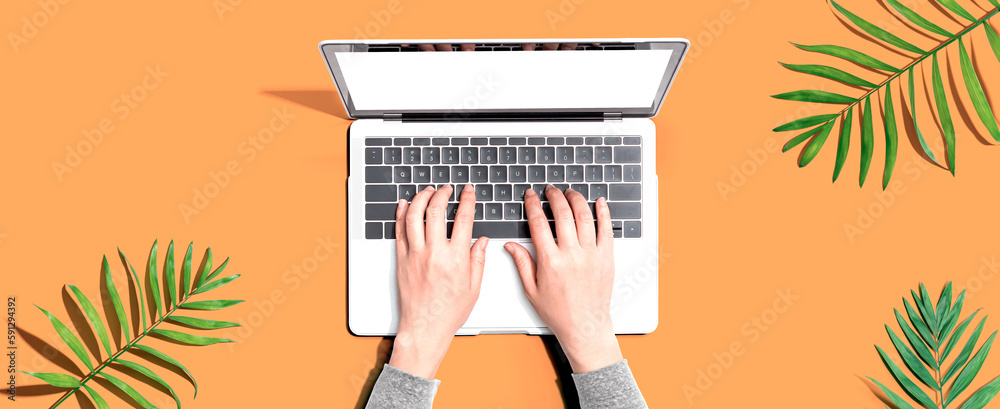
(610,387)
(396,388)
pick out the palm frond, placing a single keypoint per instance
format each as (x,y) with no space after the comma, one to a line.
(162,309)
(930,331)
(819,125)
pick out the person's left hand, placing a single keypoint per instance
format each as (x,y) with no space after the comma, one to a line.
(438,278)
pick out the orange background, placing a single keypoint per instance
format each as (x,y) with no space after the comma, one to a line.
(725,256)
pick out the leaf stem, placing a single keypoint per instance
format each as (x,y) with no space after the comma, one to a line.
(922,58)
(123,350)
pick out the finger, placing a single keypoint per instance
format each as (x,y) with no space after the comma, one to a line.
(415,218)
(568,46)
(584,218)
(538,224)
(528,46)
(425,47)
(525,267)
(442,47)
(477,258)
(565,226)
(550,46)
(436,210)
(462,232)
(401,244)
(605,236)
(468,47)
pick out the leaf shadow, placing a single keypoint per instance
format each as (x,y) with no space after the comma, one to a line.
(83,400)
(141,378)
(322,100)
(202,272)
(937,121)
(911,130)
(79,321)
(49,352)
(850,26)
(114,325)
(985,84)
(907,22)
(39,390)
(115,391)
(382,354)
(151,296)
(946,12)
(153,359)
(962,111)
(133,297)
(877,392)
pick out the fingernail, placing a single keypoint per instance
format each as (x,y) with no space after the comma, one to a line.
(529,192)
(429,188)
(601,202)
(508,247)
(467,186)
(549,187)
(569,189)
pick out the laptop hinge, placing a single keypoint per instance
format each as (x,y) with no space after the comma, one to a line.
(612,116)
(392,117)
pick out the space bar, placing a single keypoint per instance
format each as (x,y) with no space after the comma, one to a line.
(498,230)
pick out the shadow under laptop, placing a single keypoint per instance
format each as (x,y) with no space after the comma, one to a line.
(323,100)
(381,357)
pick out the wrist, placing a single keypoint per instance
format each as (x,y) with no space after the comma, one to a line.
(419,355)
(586,354)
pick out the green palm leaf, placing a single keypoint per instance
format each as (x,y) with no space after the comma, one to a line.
(959,330)
(817,96)
(955,8)
(164,312)
(964,354)
(971,370)
(877,32)
(916,126)
(830,73)
(994,38)
(912,389)
(848,54)
(944,114)
(983,396)
(918,19)
(218,270)
(844,144)
(911,361)
(890,138)
(896,399)
(975,88)
(206,267)
(867,140)
(806,122)
(918,345)
(816,144)
(918,323)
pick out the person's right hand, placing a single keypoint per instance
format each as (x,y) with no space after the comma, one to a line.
(571,283)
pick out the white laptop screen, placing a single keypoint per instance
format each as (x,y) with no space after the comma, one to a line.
(525,81)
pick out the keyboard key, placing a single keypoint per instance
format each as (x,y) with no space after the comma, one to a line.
(449,155)
(594,173)
(484,193)
(517,141)
(585,154)
(380,193)
(555,173)
(519,192)
(632,140)
(380,211)
(373,156)
(556,140)
(494,211)
(574,140)
(526,155)
(479,211)
(378,142)
(602,154)
(450,211)
(503,193)
(561,186)
(378,174)
(594,140)
(459,141)
(547,209)
(440,174)
(470,155)
(406,192)
(508,154)
(540,191)
(632,173)
(393,156)
(512,211)
(480,141)
(633,229)
(411,156)
(432,156)
(536,173)
(628,154)
(488,155)
(613,140)
(501,230)
(439,141)
(574,173)
(390,230)
(421,141)
(498,141)
(625,210)
(626,191)
(613,173)
(460,174)
(421,174)
(517,174)
(479,174)
(598,190)
(582,189)
(536,141)
(453,192)
(401,141)
(498,174)
(616,228)
(402,174)
(373,230)
(547,155)
(564,155)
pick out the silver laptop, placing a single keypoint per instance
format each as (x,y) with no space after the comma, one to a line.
(505,116)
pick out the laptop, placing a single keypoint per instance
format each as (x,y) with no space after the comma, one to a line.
(505,116)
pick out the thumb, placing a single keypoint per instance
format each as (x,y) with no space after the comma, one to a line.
(525,265)
(478,259)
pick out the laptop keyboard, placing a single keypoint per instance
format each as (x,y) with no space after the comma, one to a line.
(501,169)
